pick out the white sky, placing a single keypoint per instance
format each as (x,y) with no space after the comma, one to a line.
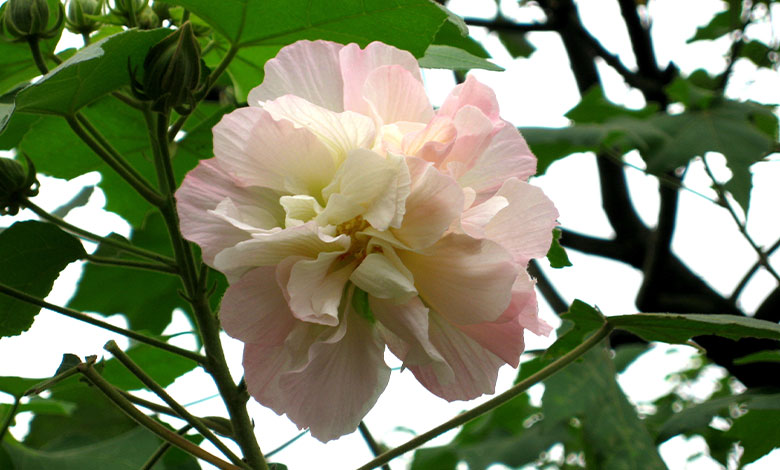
(532,92)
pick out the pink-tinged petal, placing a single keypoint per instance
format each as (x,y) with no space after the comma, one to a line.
(394,95)
(475,133)
(254,309)
(504,337)
(258,150)
(272,247)
(251,219)
(263,365)
(379,277)
(475,369)
(474,219)
(309,69)
(432,143)
(464,279)
(342,379)
(368,185)
(434,202)
(357,64)
(405,330)
(471,93)
(525,226)
(201,192)
(315,289)
(339,132)
(507,156)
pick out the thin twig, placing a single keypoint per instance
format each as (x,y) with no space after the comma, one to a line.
(160,452)
(503,24)
(371,442)
(24,297)
(155,388)
(751,272)
(162,268)
(493,403)
(762,257)
(284,446)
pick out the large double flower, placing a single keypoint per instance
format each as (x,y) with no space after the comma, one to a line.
(348,216)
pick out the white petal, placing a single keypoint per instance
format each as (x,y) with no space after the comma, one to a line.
(315,288)
(379,277)
(394,94)
(299,209)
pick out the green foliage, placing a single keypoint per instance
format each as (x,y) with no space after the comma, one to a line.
(676,328)
(146,298)
(448,57)
(556,255)
(32,254)
(162,366)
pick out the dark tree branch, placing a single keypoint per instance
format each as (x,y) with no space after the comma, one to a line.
(550,294)
(612,249)
(616,201)
(502,24)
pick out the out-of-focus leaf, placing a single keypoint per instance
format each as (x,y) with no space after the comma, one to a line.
(32,254)
(450,34)
(757,432)
(448,57)
(761,356)
(722,23)
(594,107)
(94,71)
(689,94)
(406,24)
(16,386)
(556,255)
(759,53)
(79,200)
(42,406)
(441,458)
(626,354)
(162,366)
(578,323)
(127,451)
(677,328)
(516,43)
(146,298)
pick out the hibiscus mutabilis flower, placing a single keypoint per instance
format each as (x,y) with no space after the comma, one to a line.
(348,215)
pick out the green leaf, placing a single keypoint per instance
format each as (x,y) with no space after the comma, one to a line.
(759,53)
(16,386)
(92,72)
(146,298)
(721,24)
(42,406)
(744,132)
(678,328)
(162,366)
(626,354)
(594,107)
(516,43)
(32,254)
(451,34)
(613,435)
(757,433)
(246,69)
(689,94)
(556,255)
(127,451)
(579,322)
(761,356)
(448,57)
(406,24)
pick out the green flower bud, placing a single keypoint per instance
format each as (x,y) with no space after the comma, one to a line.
(25,19)
(17,183)
(162,9)
(173,72)
(77,21)
(148,19)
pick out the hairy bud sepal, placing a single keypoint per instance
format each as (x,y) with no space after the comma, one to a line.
(80,13)
(28,19)
(17,183)
(173,73)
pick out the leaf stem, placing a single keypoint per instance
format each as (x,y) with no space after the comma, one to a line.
(495,402)
(235,398)
(180,411)
(141,252)
(24,297)
(108,390)
(35,48)
(160,452)
(131,264)
(112,158)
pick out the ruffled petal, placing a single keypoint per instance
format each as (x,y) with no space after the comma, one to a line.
(434,202)
(357,64)
(433,142)
(339,132)
(315,289)
(368,185)
(475,132)
(507,156)
(258,150)
(394,95)
(475,369)
(525,226)
(272,247)
(464,279)
(471,93)
(309,69)
(254,309)
(379,277)
(201,192)
(344,375)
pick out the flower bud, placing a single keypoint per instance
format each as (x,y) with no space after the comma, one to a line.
(25,19)
(77,20)
(162,9)
(173,70)
(122,9)
(16,184)
(148,19)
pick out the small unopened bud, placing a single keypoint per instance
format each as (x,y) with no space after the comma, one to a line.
(173,72)
(122,8)
(77,19)
(162,9)
(25,19)
(148,19)
(17,183)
